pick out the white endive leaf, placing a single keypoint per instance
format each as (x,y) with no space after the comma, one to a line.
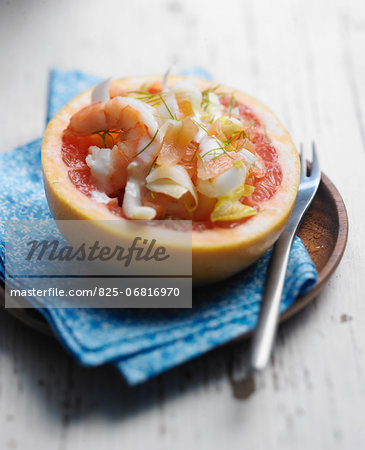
(167,187)
(168,109)
(224,183)
(210,148)
(214,106)
(132,206)
(173,181)
(100,92)
(185,90)
(165,77)
(249,157)
(100,197)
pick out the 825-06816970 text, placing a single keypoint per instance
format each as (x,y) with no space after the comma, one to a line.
(98,291)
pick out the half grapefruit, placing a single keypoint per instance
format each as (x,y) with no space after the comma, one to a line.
(222,243)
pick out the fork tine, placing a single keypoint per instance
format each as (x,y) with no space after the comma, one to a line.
(303,165)
(315,170)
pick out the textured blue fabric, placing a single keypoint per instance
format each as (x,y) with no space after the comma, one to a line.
(198,71)
(140,343)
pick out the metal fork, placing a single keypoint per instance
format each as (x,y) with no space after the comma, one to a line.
(265,331)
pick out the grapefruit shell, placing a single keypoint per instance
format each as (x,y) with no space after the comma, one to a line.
(216,253)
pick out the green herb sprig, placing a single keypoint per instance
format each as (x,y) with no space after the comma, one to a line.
(205,95)
(168,109)
(110,133)
(146,146)
(150,169)
(194,154)
(147,97)
(214,137)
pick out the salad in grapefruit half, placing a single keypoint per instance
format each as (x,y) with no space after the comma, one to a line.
(180,148)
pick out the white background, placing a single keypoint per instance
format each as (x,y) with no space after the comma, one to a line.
(305,60)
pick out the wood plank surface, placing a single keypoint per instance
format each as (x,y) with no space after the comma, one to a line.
(305,60)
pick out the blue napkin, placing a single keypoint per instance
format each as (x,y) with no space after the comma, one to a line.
(140,343)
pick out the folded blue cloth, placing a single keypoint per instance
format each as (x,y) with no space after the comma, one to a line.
(140,343)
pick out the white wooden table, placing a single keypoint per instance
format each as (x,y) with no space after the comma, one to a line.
(304,59)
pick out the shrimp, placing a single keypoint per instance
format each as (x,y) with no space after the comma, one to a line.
(119,113)
(139,128)
(134,118)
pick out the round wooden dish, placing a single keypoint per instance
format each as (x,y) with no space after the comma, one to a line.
(323,231)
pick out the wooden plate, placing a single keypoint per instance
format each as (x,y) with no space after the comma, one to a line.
(323,231)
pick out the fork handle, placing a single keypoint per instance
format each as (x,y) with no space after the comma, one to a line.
(265,331)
